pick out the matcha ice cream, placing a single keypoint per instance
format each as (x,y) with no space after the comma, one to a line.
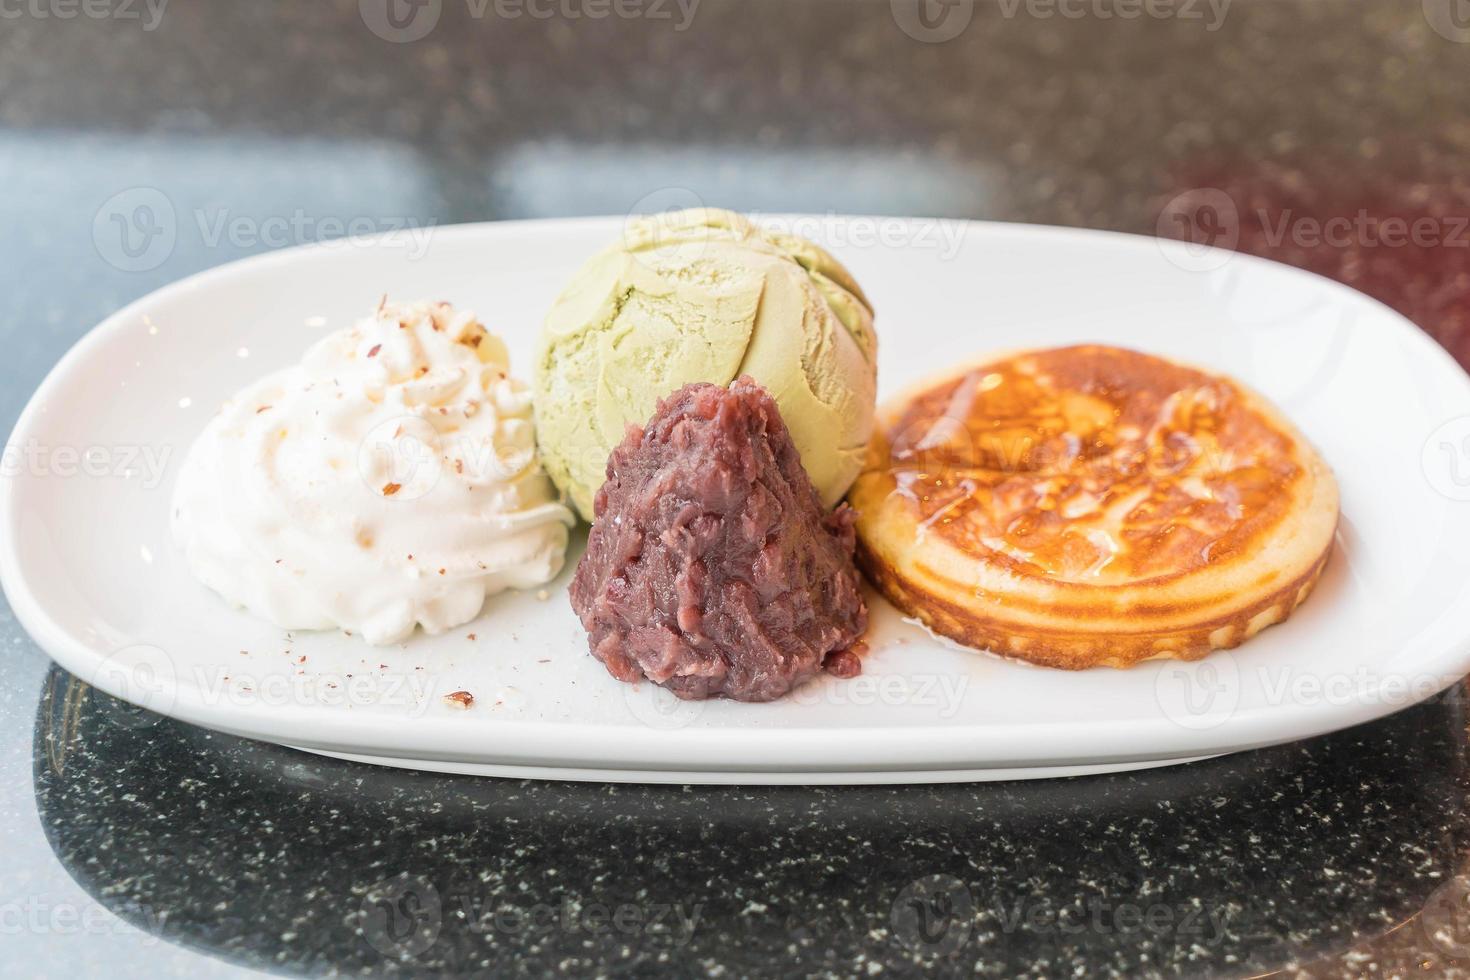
(705,295)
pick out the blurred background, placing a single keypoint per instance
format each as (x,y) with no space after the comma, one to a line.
(266,124)
(145,140)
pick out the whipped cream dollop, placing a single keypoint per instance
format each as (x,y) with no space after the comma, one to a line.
(390,480)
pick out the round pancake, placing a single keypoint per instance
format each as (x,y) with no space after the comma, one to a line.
(1089,506)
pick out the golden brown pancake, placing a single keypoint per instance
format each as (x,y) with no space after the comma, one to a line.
(1090,506)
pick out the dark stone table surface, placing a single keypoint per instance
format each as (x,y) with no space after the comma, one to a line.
(134,846)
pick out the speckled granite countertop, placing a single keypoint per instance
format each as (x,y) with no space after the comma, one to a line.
(135,846)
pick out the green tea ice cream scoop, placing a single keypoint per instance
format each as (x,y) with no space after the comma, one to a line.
(705,295)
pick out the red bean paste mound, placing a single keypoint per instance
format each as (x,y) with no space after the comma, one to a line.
(711,568)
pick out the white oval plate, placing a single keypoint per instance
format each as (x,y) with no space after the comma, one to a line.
(87,564)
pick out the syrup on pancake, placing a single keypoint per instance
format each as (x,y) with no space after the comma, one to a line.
(1091,463)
